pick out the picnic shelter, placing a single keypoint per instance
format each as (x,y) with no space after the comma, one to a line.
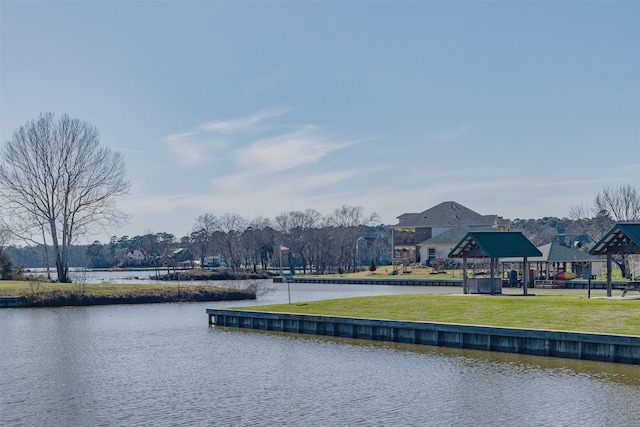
(623,238)
(493,245)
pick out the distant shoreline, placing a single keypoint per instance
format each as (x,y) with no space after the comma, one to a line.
(61,297)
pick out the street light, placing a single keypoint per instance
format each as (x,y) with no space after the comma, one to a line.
(357,258)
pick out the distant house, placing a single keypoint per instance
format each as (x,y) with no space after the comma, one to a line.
(431,234)
(214,261)
(135,257)
(181,256)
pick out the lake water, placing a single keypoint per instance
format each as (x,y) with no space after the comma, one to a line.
(162,364)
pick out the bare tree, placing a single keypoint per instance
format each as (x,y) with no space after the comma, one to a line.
(352,216)
(592,222)
(55,176)
(623,203)
(538,231)
(5,236)
(231,227)
(202,235)
(295,229)
(350,220)
(6,266)
(611,205)
(257,243)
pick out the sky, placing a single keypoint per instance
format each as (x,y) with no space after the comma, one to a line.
(521,109)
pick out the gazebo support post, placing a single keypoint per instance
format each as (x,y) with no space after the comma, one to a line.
(525,275)
(608,273)
(465,285)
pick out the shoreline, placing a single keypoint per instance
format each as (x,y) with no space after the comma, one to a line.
(185,294)
(539,342)
(420,281)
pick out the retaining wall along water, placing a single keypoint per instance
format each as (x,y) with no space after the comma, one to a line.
(571,284)
(575,345)
(367,281)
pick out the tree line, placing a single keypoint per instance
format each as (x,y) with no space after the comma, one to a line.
(307,241)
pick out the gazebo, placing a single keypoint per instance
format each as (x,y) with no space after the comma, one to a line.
(493,245)
(623,238)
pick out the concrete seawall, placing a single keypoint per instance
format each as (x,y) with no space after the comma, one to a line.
(575,345)
(365,281)
(570,284)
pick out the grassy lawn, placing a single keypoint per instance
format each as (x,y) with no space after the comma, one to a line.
(385,272)
(564,312)
(423,272)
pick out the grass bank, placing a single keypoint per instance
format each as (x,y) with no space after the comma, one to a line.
(213,274)
(562,312)
(423,272)
(42,294)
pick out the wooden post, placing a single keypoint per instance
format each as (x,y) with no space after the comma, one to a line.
(465,286)
(608,273)
(525,275)
(393,248)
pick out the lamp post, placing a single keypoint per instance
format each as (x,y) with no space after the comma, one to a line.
(357,256)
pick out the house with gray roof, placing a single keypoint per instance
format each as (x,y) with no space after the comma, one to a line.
(431,234)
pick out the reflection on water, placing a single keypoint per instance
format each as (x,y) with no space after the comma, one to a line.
(162,364)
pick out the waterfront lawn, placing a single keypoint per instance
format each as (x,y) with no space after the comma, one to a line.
(561,312)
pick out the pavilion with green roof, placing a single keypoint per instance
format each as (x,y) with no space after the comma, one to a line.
(623,238)
(493,245)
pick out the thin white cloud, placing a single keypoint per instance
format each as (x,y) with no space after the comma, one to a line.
(633,167)
(288,151)
(312,182)
(143,152)
(193,147)
(177,137)
(148,205)
(571,182)
(261,185)
(243,123)
(204,142)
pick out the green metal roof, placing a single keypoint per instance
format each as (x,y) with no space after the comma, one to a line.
(623,238)
(494,244)
(554,252)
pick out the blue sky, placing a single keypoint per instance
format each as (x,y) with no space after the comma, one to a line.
(515,108)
